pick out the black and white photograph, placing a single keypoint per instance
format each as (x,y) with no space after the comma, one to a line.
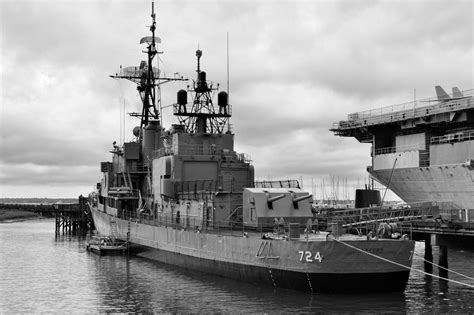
(276,156)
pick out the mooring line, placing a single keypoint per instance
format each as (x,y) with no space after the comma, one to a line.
(436,265)
(401,265)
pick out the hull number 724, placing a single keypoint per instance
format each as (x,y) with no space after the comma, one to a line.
(307,256)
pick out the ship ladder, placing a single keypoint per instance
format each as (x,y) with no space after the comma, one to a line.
(130,181)
(125,180)
(265,251)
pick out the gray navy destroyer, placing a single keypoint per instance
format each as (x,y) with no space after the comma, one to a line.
(187,198)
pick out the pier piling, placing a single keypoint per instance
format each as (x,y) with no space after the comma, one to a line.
(443,261)
(73,219)
(428,255)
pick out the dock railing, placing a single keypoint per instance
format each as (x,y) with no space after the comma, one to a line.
(369,219)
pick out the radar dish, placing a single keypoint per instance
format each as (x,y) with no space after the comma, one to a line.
(138,71)
(149,40)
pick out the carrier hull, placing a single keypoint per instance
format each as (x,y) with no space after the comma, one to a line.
(450,184)
(427,144)
(281,264)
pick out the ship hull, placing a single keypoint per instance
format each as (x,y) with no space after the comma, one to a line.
(314,282)
(449,184)
(281,264)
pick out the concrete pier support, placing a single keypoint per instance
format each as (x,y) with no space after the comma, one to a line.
(438,240)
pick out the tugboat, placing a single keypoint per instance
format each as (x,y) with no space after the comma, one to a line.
(189,199)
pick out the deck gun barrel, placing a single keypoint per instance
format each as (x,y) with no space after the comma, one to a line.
(300,198)
(270,200)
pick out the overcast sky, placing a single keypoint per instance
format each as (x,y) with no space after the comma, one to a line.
(295,68)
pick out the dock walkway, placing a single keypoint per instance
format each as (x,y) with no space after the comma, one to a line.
(70,217)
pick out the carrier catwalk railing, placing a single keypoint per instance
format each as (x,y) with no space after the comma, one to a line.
(457,137)
(450,138)
(388,150)
(424,155)
(227,156)
(400,112)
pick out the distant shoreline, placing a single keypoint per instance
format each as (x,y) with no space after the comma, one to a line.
(38,200)
(7,216)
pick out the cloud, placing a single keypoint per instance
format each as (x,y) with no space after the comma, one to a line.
(295,69)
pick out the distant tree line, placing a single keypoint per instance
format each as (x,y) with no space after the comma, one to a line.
(38,200)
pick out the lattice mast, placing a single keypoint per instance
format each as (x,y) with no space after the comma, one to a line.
(203,117)
(147,78)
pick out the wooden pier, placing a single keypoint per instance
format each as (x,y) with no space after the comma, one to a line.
(70,218)
(73,218)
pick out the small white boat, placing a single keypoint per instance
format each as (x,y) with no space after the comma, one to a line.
(106,245)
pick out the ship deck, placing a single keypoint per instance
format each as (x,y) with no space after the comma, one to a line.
(402,112)
(318,237)
(252,233)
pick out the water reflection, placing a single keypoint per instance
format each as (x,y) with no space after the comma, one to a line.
(135,284)
(41,273)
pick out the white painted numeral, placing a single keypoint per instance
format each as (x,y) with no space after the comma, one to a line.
(308,256)
(318,257)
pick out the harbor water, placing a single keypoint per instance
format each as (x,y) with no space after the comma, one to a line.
(43,273)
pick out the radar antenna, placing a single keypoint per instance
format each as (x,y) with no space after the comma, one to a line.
(202,116)
(146,77)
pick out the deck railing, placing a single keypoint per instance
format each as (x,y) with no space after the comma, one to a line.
(194,149)
(365,220)
(289,183)
(457,137)
(134,167)
(405,148)
(230,227)
(405,111)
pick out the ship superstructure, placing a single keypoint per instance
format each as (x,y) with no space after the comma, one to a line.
(187,198)
(423,150)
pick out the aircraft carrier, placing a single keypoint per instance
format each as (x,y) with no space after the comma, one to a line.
(422,150)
